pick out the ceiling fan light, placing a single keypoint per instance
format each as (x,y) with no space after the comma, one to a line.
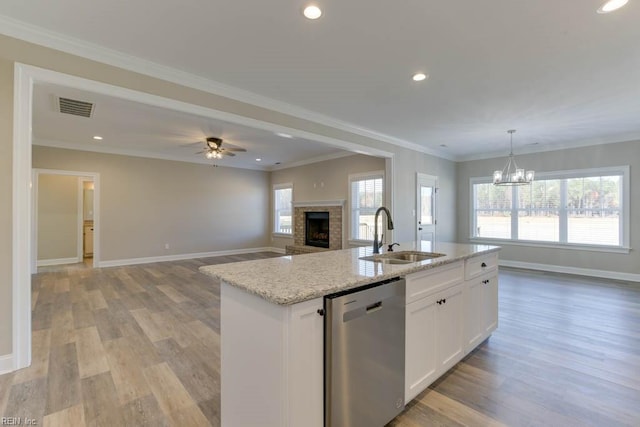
(210,154)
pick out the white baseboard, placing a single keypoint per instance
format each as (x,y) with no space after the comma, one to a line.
(6,363)
(179,257)
(59,261)
(603,274)
(276,250)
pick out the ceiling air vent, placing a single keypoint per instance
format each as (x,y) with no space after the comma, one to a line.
(75,107)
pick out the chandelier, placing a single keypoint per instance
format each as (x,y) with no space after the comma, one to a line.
(512,174)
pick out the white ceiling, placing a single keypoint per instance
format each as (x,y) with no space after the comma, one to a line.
(137,129)
(556,71)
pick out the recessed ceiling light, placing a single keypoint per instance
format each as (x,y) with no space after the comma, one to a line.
(97,138)
(611,5)
(258,160)
(284,135)
(418,77)
(312,12)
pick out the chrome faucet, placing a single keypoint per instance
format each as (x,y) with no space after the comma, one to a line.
(376,244)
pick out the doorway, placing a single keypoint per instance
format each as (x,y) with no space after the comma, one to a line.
(426,212)
(64,221)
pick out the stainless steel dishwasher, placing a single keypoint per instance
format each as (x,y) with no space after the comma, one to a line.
(364,355)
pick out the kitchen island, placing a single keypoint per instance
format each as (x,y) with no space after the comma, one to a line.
(272,324)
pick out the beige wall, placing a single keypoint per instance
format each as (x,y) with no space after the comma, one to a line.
(57,217)
(326,180)
(334,174)
(6,191)
(626,153)
(406,164)
(146,203)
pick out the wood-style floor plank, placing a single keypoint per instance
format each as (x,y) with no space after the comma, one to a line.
(140,346)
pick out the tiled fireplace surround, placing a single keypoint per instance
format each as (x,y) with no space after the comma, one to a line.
(335,209)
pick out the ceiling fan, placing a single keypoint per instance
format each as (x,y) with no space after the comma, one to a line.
(213,149)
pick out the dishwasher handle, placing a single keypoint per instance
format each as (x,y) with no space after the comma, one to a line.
(362,311)
(374,307)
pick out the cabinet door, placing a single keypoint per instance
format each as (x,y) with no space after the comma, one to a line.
(474,314)
(449,322)
(481,301)
(306,364)
(420,345)
(490,304)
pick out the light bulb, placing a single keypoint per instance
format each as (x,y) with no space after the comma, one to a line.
(312,12)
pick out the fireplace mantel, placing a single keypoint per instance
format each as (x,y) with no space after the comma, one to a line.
(319,203)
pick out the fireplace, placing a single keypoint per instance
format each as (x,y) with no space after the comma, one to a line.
(316,230)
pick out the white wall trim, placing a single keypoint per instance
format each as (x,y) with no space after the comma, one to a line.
(74,46)
(310,203)
(276,250)
(311,160)
(602,274)
(22,215)
(6,363)
(58,261)
(179,257)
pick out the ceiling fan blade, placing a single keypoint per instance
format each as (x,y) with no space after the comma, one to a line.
(201,152)
(238,149)
(227,153)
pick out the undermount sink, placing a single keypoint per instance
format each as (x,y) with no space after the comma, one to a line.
(402,257)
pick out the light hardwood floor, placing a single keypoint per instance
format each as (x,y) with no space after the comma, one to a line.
(139,345)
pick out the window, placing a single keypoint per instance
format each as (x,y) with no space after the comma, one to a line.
(366,196)
(573,208)
(283,210)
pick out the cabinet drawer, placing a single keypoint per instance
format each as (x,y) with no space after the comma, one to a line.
(480,265)
(426,282)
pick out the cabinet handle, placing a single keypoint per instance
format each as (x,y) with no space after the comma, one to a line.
(484,264)
(444,301)
(321,312)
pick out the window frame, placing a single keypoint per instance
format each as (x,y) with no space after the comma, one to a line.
(378,174)
(625,203)
(274,223)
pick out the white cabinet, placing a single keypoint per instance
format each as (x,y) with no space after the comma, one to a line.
(481,309)
(271,361)
(421,366)
(450,345)
(434,325)
(450,310)
(481,299)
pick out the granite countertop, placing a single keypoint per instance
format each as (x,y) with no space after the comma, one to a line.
(292,279)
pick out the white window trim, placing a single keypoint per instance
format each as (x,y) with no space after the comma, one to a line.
(275,233)
(357,177)
(566,174)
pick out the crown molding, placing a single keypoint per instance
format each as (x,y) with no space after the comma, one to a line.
(533,149)
(311,160)
(188,159)
(132,153)
(54,40)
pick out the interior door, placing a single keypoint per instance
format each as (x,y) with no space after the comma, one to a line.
(426,191)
